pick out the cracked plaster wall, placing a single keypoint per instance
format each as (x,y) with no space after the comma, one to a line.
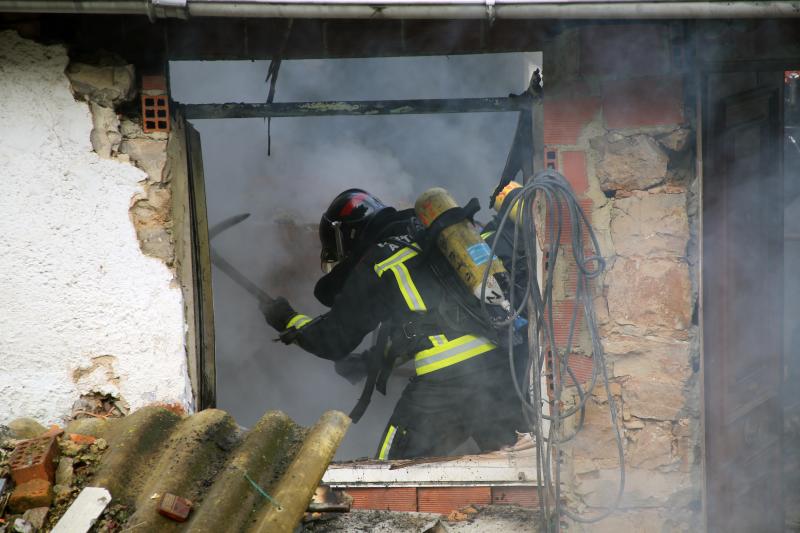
(82,308)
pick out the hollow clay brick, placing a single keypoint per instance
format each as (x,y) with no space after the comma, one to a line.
(34,459)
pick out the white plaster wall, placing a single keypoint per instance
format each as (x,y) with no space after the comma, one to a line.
(74,286)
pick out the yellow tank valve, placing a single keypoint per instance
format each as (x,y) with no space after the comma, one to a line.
(506,194)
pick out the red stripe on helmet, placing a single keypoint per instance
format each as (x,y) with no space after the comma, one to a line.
(354,202)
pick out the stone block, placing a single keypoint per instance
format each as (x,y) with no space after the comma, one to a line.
(629,163)
(643,488)
(36,517)
(147,154)
(25,428)
(650,296)
(106,85)
(651,446)
(655,372)
(650,225)
(64,472)
(34,493)
(595,446)
(105,135)
(676,140)
(657,400)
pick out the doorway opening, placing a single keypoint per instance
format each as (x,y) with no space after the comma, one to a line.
(285,172)
(751,299)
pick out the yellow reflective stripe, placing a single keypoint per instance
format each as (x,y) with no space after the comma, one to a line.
(486,234)
(450,353)
(387,443)
(437,340)
(407,287)
(298,321)
(397,258)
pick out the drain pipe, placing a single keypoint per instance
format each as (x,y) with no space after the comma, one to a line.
(409,9)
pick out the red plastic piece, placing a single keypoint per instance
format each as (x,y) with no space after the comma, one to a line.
(34,459)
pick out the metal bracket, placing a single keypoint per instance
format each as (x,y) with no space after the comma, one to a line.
(157,9)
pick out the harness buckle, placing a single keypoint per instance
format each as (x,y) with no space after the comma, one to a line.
(409,330)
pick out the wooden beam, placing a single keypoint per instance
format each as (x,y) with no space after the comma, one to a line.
(356,108)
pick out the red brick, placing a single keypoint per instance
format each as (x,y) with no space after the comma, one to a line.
(643,102)
(443,500)
(33,459)
(564,119)
(381,498)
(522,496)
(566,223)
(174,507)
(54,431)
(154,83)
(624,49)
(562,316)
(34,493)
(574,169)
(581,366)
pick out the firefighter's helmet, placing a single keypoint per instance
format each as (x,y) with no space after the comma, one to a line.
(343,224)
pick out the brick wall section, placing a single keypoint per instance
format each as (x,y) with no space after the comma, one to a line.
(616,120)
(442,500)
(521,496)
(386,499)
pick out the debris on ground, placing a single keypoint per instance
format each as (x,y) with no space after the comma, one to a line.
(327,503)
(97,405)
(485,519)
(460,515)
(174,507)
(84,511)
(42,471)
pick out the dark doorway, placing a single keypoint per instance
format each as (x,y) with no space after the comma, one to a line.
(743,300)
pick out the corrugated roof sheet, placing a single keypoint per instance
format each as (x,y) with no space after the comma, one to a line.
(260,479)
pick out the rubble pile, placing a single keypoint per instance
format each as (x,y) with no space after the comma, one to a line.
(42,471)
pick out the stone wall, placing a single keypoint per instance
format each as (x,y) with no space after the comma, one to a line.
(88,303)
(617,124)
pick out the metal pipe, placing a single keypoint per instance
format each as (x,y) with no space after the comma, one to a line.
(420,9)
(355,108)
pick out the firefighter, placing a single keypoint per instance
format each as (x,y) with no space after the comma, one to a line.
(377,276)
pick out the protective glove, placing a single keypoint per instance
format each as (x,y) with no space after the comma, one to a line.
(277,312)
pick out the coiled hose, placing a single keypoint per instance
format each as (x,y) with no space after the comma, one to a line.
(554,193)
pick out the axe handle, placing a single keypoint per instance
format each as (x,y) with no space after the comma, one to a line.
(240,279)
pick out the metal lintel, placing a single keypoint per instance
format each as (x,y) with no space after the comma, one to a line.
(356,108)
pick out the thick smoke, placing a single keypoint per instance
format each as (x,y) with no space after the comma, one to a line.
(312,160)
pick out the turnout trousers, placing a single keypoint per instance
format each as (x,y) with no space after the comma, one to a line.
(439,411)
